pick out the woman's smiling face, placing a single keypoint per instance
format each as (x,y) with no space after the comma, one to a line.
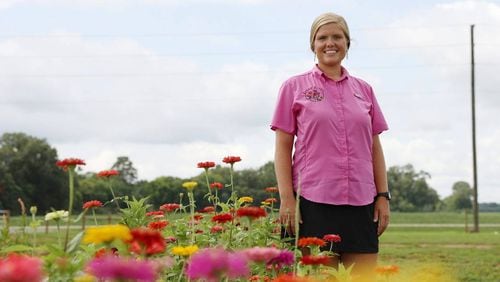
(330,45)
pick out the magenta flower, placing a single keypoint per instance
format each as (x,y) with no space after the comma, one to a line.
(20,268)
(213,264)
(111,267)
(285,257)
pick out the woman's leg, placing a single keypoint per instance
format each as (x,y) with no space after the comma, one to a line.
(364,265)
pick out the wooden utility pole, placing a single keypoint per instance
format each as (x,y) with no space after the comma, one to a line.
(475,209)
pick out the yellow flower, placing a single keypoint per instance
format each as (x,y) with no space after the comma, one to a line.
(190,185)
(106,234)
(85,278)
(245,200)
(185,251)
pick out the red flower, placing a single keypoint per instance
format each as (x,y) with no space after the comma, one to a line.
(217,185)
(198,216)
(290,278)
(198,231)
(68,163)
(251,212)
(170,207)
(315,260)
(170,239)
(158,225)
(271,189)
(270,200)
(259,278)
(105,252)
(311,241)
(146,241)
(108,173)
(231,159)
(332,238)
(92,204)
(208,209)
(153,213)
(222,218)
(206,165)
(216,229)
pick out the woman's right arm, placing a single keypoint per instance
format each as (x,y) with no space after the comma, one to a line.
(283,169)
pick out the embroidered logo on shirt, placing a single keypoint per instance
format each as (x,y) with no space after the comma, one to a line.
(314,94)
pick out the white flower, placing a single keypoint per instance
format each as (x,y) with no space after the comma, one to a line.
(56,215)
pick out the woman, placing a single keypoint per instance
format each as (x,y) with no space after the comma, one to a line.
(338,162)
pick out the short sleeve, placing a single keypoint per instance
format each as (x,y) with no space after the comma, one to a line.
(284,117)
(378,121)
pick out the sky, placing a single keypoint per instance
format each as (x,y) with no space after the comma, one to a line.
(172,83)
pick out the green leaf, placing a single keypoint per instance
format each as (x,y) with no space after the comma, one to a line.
(75,242)
(16,248)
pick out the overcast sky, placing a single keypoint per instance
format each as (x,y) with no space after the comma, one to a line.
(173,83)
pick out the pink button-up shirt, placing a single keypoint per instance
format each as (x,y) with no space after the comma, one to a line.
(334,123)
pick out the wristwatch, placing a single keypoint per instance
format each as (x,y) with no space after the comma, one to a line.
(387,195)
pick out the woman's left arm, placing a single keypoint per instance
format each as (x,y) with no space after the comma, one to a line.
(382,210)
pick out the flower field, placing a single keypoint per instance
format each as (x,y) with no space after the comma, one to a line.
(231,239)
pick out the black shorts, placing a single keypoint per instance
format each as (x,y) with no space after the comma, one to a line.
(354,224)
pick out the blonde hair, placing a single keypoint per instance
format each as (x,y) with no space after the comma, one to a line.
(328,18)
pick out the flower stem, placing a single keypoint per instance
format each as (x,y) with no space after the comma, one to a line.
(71,171)
(191,210)
(113,194)
(95,218)
(208,186)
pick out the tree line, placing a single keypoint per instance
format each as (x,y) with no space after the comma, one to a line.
(28,172)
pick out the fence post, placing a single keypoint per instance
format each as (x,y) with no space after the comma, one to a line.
(109,218)
(466,223)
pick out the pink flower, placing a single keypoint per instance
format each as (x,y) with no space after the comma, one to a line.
(116,268)
(16,268)
(285,257)
(261,254)
(213,264)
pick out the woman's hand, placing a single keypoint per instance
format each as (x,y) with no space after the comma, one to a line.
(288,215)
(381,214)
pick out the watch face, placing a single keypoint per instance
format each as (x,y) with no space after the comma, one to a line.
(384,194)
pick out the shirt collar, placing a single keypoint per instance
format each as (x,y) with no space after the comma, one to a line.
(317,71)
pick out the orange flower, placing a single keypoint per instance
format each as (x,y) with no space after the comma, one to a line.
(271,189)
(311,241)
(231,159)
(251,212)
(217,185)
(108,173)
(290,278)
(270,200)
(206,165)
(315,260)
(158,225)
(387,269)
(92,204)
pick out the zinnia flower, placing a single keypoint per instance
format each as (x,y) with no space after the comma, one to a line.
(270,200)
(285,257)
(290,278)
(271,189)
(251,212)
(217,185)
(121,269)
(216,229)
(170,207)
(56,215)
(207,209)
(158,225)
(146,241)
(92,204)
(106,234)
(108,173)
(70,163)
(315,260)
(231,159)
(261,254)
(245,199)
(332,238)
(190,185)
(387,269)
(222,218)
(311,241)
(213,264)
(185,251)
(154,213)
(17,268)
(206,165)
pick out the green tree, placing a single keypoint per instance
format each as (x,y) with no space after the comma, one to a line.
(410,190)
(126,168)
(28,171)
(461,198)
